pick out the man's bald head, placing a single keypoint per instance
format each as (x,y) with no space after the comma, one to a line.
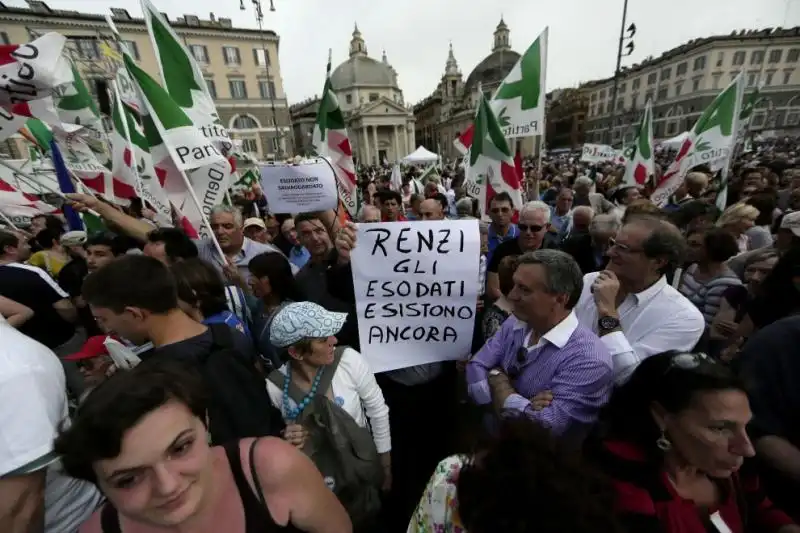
(370,214)
(431,209)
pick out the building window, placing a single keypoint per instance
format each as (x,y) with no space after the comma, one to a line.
(757,57)
(634,100)
(212,88)
(751,80)
(758,120)
(199,52)
(636,84)
(261,57)
(373,97)
(715,81)
(620,104)
(600,108)
(649,96)
(768,79)
(348,98)
(793,55)
(787,76)
(775,56)
(793,119)
(250,146)
(87,48)
(622,87)
(678,88)
(267,89)
(671,128)
(662,93)
(231,55)
(594,97)
(238,89)
(244,122)
(4,38)
(699,63)
(720,59)
(733,75)
(696,85)
(738,58)
(132,48)
(681,70)
(666,73)
(652,78)
(602,94)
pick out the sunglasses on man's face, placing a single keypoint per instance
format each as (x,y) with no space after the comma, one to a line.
(533,228)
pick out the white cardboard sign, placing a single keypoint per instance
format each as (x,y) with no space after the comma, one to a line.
(416,286)
(302,188)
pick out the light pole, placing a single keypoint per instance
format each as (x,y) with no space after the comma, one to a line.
(260,19)
(631,31)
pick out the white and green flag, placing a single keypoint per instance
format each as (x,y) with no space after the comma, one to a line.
(640,166)
(709,142)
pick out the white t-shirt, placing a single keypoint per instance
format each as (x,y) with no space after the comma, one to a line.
(31,376)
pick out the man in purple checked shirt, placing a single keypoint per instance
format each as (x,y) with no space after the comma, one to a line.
(542,350)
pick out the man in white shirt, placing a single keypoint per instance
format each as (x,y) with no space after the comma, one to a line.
(35,494)
(631,306)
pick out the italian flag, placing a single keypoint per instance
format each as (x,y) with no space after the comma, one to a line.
(34,70)
(491,163)
(43,109)
(640,165)
(711,139)
(330,141)
(14,203)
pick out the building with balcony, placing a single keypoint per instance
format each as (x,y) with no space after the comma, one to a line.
(240,65)
(566,117)
(379,125)
(683,81)
(450,109)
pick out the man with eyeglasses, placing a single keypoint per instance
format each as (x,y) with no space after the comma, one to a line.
(631,306)
(534,218)
(501,211)
(543,349)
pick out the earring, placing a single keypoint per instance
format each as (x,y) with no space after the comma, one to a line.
(663,442)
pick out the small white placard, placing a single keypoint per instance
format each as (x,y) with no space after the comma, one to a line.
(299,188)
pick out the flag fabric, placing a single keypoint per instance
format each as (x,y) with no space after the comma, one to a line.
(14,203)
(38,133)
(249,178)
(519,102)
(709,142)
(43,109)
(397,178)
(491,163)
(93,224)
(330,141)
(10,123)
(76,105)
(66,186)
(640,165)
(34,70)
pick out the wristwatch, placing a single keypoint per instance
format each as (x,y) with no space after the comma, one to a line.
(607,323)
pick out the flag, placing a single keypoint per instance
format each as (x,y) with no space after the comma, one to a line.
(397,178)
(33,70)
(709,142)
(330,141)
(10,123)
(76,105)
(640,161)
(43,109)
(188,147)
(38,133)
(249,178)
(66,186)
(14,203)
(491,163)
(93,224)
(519,102)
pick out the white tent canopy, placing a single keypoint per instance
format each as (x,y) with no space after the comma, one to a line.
(421,155)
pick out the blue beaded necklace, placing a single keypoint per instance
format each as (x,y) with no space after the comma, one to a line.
(291,414)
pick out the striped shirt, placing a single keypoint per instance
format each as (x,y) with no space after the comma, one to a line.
(569,360)
(707,295)
(482,275)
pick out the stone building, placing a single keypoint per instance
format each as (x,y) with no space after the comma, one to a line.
(450,109)
(379,125)
(566,118)
(683,81)
(240,65)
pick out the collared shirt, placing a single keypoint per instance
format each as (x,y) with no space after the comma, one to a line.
(207,251)
(299,256)
(495,240)
(560,222)
(656,320)
(568,360)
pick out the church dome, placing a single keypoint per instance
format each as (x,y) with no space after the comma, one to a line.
(496,66)
(360,69)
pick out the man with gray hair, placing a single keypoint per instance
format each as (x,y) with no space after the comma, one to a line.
(584,196)
(369,214)
(542,363)
(534,218)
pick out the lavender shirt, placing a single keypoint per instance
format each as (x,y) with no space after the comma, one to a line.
(569,360)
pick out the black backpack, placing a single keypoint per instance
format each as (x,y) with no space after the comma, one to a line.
(239,405)
(343,451)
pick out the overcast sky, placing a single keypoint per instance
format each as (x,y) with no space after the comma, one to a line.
(416,33)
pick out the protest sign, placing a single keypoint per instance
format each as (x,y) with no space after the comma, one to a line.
(600,153)
(301,188)
(416,286)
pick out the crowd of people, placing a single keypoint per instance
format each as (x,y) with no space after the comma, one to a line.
(632,366)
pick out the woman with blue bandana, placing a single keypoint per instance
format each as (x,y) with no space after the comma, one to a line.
(304,333)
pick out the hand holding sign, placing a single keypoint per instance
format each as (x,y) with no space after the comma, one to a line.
(345,242)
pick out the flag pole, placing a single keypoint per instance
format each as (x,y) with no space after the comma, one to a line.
(8,221)
(203,216)
(30,180)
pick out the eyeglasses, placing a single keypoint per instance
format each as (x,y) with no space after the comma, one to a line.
(612,243)
(515,371)
(533,228)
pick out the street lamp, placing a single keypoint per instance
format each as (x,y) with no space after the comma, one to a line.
(625,35)
(260,18)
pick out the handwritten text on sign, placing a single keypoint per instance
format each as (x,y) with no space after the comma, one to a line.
(416,286)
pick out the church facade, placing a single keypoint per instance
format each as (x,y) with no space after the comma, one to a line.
(379,125)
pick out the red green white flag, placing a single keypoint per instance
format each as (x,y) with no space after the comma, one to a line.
(640,166)
(33,70)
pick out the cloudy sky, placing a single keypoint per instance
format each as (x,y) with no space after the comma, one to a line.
(416,33)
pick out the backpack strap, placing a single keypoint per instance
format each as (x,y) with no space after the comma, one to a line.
(329,371)
(254,474)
